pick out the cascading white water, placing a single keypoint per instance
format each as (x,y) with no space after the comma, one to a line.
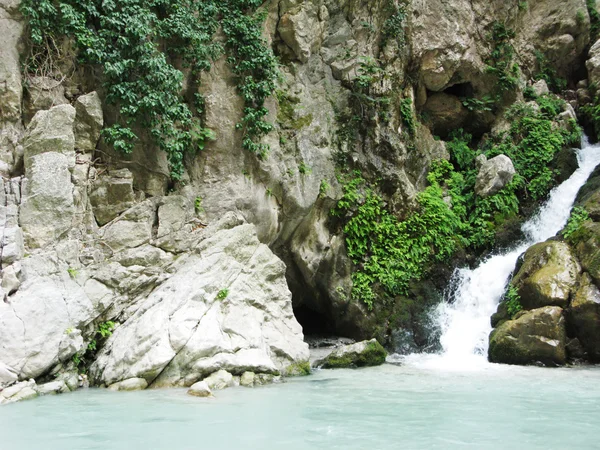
(473,295)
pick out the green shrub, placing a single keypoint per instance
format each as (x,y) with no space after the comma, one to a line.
(134,43)
(408,118)
(500,62)
(578,217)
(222,294)
(548,74)
(513,301)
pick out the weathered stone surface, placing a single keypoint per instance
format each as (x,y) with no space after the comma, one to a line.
(46,213)
(132,229)
(584,317)
(247,379)
(548,275)
(42,93)
(300,29)
(89,120)
(219,380)
(494,174)
(593,63)
(532,337)
(588,250)
(18,392)
(54,387)
(10,278)
(226,308)
(200,389)
(50,131)
(446,113)
(111,195)
(131,384)
(540,88)
(365,353)
(11,91)
(8,376)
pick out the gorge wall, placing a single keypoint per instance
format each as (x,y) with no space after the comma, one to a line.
(191,275)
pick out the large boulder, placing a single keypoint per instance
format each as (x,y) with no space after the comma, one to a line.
(227,306)
(361,354)
(548,275)
(111,195)
(494,174)
(584,317)
(11,90)
(588,249)
(50,131)
(533,337)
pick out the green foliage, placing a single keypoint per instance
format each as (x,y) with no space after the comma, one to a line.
(578,217)
(408,118)
(460,152)
(198,205)
(389,253)
(500,62)
(393,27)
(594,18)
(548,74)
(484,104)
(222,294)
(104,331)
(591,111)
(532,143)
(513,301)
(72,272)
(304,169)
(134,43)
(323,188)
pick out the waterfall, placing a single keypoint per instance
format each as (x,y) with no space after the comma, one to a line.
(473,294)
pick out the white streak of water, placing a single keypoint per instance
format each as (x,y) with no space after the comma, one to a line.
(473,294)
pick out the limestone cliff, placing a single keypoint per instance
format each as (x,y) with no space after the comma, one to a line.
(187,270)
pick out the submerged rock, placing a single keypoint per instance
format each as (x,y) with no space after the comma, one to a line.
(361,354)
(533,337)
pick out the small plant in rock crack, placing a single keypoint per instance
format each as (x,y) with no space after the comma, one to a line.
(222,294)
(513,301)
(72,272)
(323,188)
(198,205)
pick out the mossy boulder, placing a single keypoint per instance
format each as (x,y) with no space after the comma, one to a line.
(533,337)
(361,354)
(584,317)
(588,249)
(548,275)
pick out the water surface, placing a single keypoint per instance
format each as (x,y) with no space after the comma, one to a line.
(388,407)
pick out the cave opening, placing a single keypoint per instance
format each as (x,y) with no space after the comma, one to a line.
(313,322)
(460,90)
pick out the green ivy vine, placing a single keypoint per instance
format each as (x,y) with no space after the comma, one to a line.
(137,43)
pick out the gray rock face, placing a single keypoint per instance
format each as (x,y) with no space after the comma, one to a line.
(361,354)
(226,307)
(111,195)
(533,337)
(43,93)
(593,63)
(50,131)
(219,380)
(494,175)
(89,120)
(540,88)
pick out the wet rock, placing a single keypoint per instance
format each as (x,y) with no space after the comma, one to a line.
(247,379)
(24,390)
(494,174)
(131,384)
(593,63)
(588,249)
(200,389)
(584,317)
(219,380)
(54,387)
(548,275)
(361,354)
(532,337)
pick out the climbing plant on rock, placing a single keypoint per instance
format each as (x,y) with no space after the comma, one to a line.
(135,43)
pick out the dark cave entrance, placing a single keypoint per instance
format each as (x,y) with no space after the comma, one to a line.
(460,90)
(313,323)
